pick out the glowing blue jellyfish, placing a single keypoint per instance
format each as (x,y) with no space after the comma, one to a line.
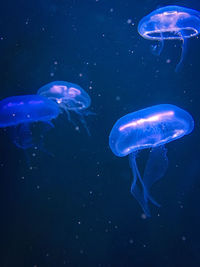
(19,113)
(170,23)
(70,97)
(151,127)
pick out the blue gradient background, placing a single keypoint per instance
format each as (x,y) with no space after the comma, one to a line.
(75,209)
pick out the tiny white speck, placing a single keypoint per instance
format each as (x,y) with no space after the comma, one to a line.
(143,216)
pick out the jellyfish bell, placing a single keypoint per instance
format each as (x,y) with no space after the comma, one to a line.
(170,23)
(19,113)
(26,109)
(151,128)
(69,97)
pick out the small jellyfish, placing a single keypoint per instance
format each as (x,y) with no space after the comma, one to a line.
(170,23)
(70,97)
(19,113)
(152,128)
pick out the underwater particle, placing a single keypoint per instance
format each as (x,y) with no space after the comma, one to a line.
(70,98)
(143,216)
(18,113)
(152,128)
(170,23)
(131,241)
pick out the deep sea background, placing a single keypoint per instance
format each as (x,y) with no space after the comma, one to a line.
(75,208)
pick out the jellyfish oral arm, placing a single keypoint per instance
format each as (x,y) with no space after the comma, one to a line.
(21,135)
(157,49)
(156,166)
(138,188)
(183,53)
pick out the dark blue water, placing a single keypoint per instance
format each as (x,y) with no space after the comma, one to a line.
(75,208)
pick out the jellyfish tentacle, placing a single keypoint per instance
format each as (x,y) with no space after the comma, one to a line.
(156,166)
(83,121)
(47,125)
(21,135)
(89,113)
(183,52)
(81,117)
(64,107)
(67,111)
(138,189)
(147,195)
(157,49)
(82,114)
(44,150)
(50,124)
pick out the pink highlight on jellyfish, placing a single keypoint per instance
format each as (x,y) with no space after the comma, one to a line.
(73,91)
(169,18)
(35,102)
(167,21)
(10,104)
(58,89)
(154,118)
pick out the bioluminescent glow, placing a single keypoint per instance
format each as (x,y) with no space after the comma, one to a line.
(170,23)
(70,97)
(151,127)
(17,113)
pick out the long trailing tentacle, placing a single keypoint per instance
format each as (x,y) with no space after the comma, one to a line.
(21,135)
(138,188)
(183,53)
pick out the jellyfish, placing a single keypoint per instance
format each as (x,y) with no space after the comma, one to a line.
(170,23)
(19,113)
(149,128)
(70,97)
